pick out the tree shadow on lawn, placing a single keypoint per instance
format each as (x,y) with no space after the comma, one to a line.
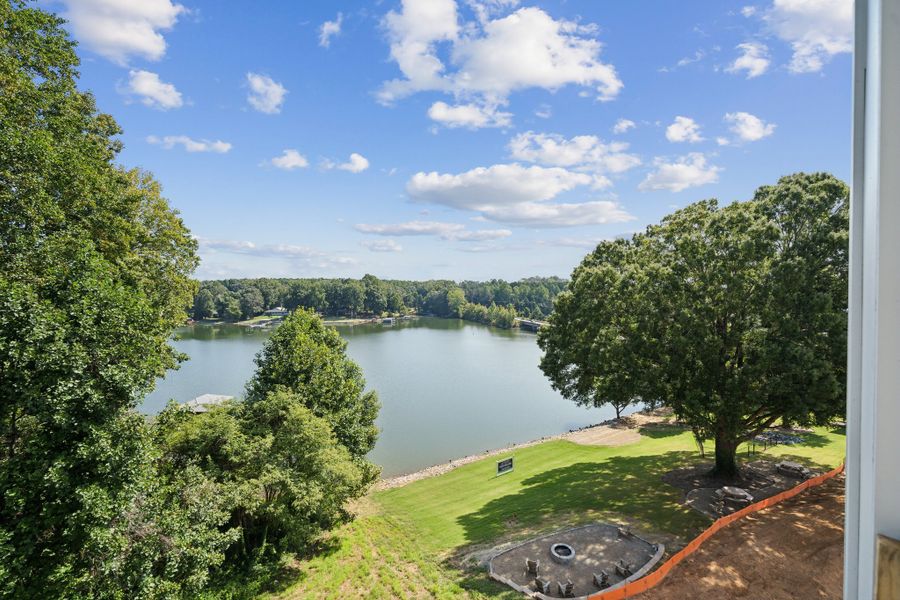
(814,440)
(661,430)
(620,488)
(247,582)
(803,460)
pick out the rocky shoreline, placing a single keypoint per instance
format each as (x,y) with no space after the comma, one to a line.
(628,422)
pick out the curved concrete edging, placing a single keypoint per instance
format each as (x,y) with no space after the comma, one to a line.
(660,551)
(646,568)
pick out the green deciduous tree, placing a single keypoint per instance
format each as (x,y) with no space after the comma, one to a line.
(304,472)
(277,469)
(231,309)
(593,331)
(734,316)
(204,305)
(251,302)
(94,276)
(309,359)
(376,300)
(456,299)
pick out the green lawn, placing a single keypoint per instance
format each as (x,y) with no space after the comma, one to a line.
(409,540)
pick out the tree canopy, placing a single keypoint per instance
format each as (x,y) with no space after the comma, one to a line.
(95,266)
(287,458)
(734,316)
(94,275)
(309,359)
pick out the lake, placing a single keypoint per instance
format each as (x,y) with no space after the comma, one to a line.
(448,388)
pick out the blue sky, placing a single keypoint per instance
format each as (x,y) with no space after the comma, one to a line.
(459,139)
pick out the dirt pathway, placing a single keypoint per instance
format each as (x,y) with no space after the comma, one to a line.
(792,551)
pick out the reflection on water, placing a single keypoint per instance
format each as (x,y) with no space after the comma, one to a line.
(448,388)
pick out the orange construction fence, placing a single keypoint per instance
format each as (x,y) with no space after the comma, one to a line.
(653,579)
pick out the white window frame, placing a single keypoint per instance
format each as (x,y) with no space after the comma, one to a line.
(873,386)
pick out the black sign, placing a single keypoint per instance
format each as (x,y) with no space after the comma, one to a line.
(504,466)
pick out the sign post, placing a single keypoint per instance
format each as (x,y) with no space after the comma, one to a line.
(504,466)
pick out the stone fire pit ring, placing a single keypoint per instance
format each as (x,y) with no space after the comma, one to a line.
(562,553)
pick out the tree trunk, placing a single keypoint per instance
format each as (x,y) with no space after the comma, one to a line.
(618,411)
(699,439)
(726,453)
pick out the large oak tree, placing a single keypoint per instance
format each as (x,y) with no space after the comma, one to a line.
(734,316)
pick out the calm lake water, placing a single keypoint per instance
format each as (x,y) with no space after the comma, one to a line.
(448,388)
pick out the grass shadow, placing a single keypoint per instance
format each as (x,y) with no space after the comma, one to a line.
(803,460)
(250,581)
(623,488)
(660,430)
(478,585)
(814,440)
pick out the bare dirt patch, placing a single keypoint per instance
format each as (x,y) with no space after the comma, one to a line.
(791,551)
(760,478)
(605,435)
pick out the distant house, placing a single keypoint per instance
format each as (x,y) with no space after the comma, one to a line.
(278,311)
(202,404)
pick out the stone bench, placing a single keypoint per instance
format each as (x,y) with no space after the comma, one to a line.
(792,469)
(601,580)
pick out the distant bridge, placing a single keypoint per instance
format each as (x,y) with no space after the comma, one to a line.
(531,324)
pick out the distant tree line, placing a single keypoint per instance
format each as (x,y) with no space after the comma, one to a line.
(495,302)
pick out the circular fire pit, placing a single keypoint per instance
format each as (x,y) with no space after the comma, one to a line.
(562,553)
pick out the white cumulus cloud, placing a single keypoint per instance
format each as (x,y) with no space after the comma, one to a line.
(534,214)
(623,125)
(296,254)
(816,30)
(191,145)
(512,193)
(289,160)
(441,229)
(530,49)
(357,163)
(754,60)
(582,152)
(152,91)
(684,172)
(414,33)
(266,95)
(683,129)
(382,246)
(493,57)
(497,184)
(120,29)
(747,127)
(470,116)
(330,29)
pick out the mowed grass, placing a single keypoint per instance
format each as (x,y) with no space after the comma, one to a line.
(408,541)
(555,480)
